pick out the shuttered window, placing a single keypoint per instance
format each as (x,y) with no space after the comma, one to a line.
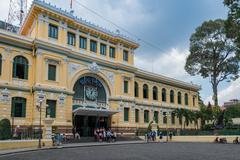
(93,46)
(136,115)
(103,49)
(71,38)
(156,116)
(52,72)
(52,31)
(51,108)
(125,86)
(126,114)
(20,67)
(18,107)
(112,52)
(82,42)
(125,55)
(146,116)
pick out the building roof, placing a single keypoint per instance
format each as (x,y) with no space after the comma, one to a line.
(167,80)
(79,20)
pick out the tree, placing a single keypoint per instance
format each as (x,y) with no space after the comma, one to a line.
(213,55)
(179,114)
(231,112)
(233,21)
(5,129)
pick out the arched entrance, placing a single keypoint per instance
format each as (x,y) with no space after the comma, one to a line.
(90,105)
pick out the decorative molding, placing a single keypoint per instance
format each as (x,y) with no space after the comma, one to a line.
(61,99)
(5,96)
(94,67)
(66,59)
(52,61)
(72,68)
(8,49)
(111,77)
(38,53)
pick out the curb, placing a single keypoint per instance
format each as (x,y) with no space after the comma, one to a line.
(70,146)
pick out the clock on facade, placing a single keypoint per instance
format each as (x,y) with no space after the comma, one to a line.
(91,93)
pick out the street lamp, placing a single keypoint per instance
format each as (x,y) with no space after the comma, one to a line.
(41,96)
(39,106)
(166,116)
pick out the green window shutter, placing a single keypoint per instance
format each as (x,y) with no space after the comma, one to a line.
(93,46)
(125,86)
(52,108)
(126,114)
(52,72)
(156,116)
(23,108)
(14,70)
(26,71)
(125,55)
(136,115)
(13,108)
(83,42)
(146,116)
(112,52)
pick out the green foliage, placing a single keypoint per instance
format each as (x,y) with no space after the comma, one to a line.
(213,55)
(5,129)
(149,129)
(231,112)
(232,23)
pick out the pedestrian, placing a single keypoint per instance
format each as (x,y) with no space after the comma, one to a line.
(170,136)
(160,136)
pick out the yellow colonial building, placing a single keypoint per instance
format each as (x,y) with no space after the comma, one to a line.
(82,76)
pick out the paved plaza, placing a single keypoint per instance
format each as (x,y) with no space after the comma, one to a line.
(150,151)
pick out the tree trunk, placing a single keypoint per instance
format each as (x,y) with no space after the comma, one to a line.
(215,93)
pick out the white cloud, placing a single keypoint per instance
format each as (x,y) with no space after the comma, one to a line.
(230,92)
(169,64)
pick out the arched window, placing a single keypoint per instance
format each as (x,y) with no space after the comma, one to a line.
(0,64)
(164,95)
(155,93)
(146,116)
(179,98)
(171,96)
(186,99)
(145,91)
(91,89)
(136,89)
(18,107)
(20,67)
(193,98)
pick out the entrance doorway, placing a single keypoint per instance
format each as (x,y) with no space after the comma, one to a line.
(85,125)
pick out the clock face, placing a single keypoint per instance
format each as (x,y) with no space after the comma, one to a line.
(91,93)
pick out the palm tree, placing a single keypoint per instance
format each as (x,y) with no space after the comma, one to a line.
(187,116)
(179,114)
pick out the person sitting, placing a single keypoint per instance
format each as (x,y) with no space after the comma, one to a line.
(236,141)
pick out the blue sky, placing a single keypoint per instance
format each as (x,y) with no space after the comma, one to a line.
(167,24)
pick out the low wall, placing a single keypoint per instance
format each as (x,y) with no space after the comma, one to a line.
(197,138)
(17,144)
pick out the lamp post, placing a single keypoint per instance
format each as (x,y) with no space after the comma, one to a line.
(41,96)
(167,113)
(40,124)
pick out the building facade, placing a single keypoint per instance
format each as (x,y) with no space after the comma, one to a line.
(83,76)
